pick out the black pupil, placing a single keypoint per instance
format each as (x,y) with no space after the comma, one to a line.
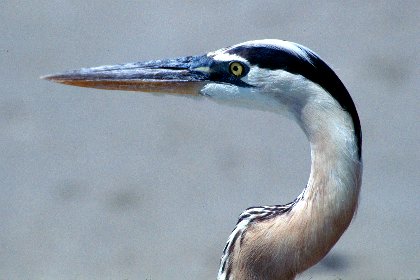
(235,68)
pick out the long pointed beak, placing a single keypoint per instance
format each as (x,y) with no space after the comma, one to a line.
(185,75)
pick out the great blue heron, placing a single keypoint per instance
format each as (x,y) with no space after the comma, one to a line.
(278,241)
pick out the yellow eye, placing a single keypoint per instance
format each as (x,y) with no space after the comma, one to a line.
(236,68)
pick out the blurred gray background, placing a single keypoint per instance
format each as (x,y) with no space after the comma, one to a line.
(121,185)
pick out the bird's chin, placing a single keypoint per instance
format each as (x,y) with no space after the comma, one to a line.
(220,91)
(249,97)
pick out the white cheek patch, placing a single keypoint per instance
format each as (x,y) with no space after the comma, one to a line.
(255,76)
(261,77)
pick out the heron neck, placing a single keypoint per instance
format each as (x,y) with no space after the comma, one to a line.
(331,196)
(335,164)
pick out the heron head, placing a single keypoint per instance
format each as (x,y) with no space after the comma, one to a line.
(270,75)
(254,74)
